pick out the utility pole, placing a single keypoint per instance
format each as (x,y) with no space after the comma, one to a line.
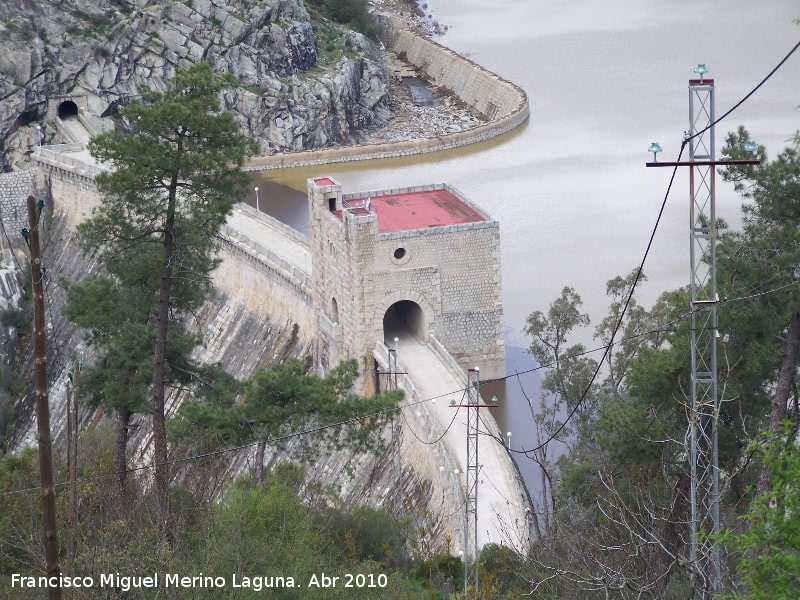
(471,517)
(473,407)
(42,404)
(72,462)
(704,554)
(704,299)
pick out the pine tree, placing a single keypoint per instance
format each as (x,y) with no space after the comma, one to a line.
(173,181)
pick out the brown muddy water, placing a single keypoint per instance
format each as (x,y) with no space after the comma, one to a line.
(575,203)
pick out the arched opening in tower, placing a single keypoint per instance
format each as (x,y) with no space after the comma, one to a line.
(403,319)
(334,311)
(67,109)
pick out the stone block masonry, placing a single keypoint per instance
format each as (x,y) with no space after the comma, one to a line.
(372,276)
(14,191)
(267,310)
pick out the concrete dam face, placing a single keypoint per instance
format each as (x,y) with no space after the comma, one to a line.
(384,277)
(268,308)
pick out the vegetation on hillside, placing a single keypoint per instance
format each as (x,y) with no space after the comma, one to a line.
(614,512)
(287,527)
(176,176)
(354,13)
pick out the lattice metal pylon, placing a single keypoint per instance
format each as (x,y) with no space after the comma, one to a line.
(705,518)
(471,513)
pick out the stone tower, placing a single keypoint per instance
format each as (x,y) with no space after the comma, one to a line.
(420,261)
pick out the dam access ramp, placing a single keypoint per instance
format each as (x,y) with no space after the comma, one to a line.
(433,383)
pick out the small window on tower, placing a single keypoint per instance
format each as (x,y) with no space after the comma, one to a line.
(332,203)
(400,256)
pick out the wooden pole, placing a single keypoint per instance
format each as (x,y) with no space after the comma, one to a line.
(43,410)
(72,461)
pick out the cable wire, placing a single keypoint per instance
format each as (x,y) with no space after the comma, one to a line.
(575,408)
(370,415)
(437,440)
(588,387)
(649,244)
(747,97)
(409,405)
(237,448)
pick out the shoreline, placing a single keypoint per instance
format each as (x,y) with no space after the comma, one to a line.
(502,105)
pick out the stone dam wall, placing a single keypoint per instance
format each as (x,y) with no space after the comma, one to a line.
(504,104)
(260,316)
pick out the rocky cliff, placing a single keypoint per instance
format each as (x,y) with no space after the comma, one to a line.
(293,93)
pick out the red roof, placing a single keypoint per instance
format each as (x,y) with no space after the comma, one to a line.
(324,181)
(418,210)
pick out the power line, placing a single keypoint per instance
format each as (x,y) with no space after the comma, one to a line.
(606,348)
(572,412)
(239,447)
(409,405)
(747,97)
(647,250)
(437,440)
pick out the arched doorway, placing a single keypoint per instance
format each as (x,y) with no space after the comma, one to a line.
(402,319)
(67,109)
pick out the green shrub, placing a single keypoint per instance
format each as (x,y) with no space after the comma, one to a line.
(368,534)
(354,13)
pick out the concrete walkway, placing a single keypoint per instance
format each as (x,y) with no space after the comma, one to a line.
(501,510)
(240,222)
(271,238)
(76,130)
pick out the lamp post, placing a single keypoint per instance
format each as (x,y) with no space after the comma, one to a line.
(39,130)
(508,443)
(240,221)
(257,209)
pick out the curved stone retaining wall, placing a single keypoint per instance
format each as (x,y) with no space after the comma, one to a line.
(502,102)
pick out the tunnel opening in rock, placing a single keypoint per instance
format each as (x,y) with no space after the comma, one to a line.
(67,110)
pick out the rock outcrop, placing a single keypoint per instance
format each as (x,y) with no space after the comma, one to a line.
(292,94)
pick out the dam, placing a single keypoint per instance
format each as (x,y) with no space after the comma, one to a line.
(405,280)
(415,267)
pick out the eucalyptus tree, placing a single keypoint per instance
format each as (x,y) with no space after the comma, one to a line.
(173,180)
(760,270)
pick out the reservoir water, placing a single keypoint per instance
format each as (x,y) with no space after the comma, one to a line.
(575,202)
